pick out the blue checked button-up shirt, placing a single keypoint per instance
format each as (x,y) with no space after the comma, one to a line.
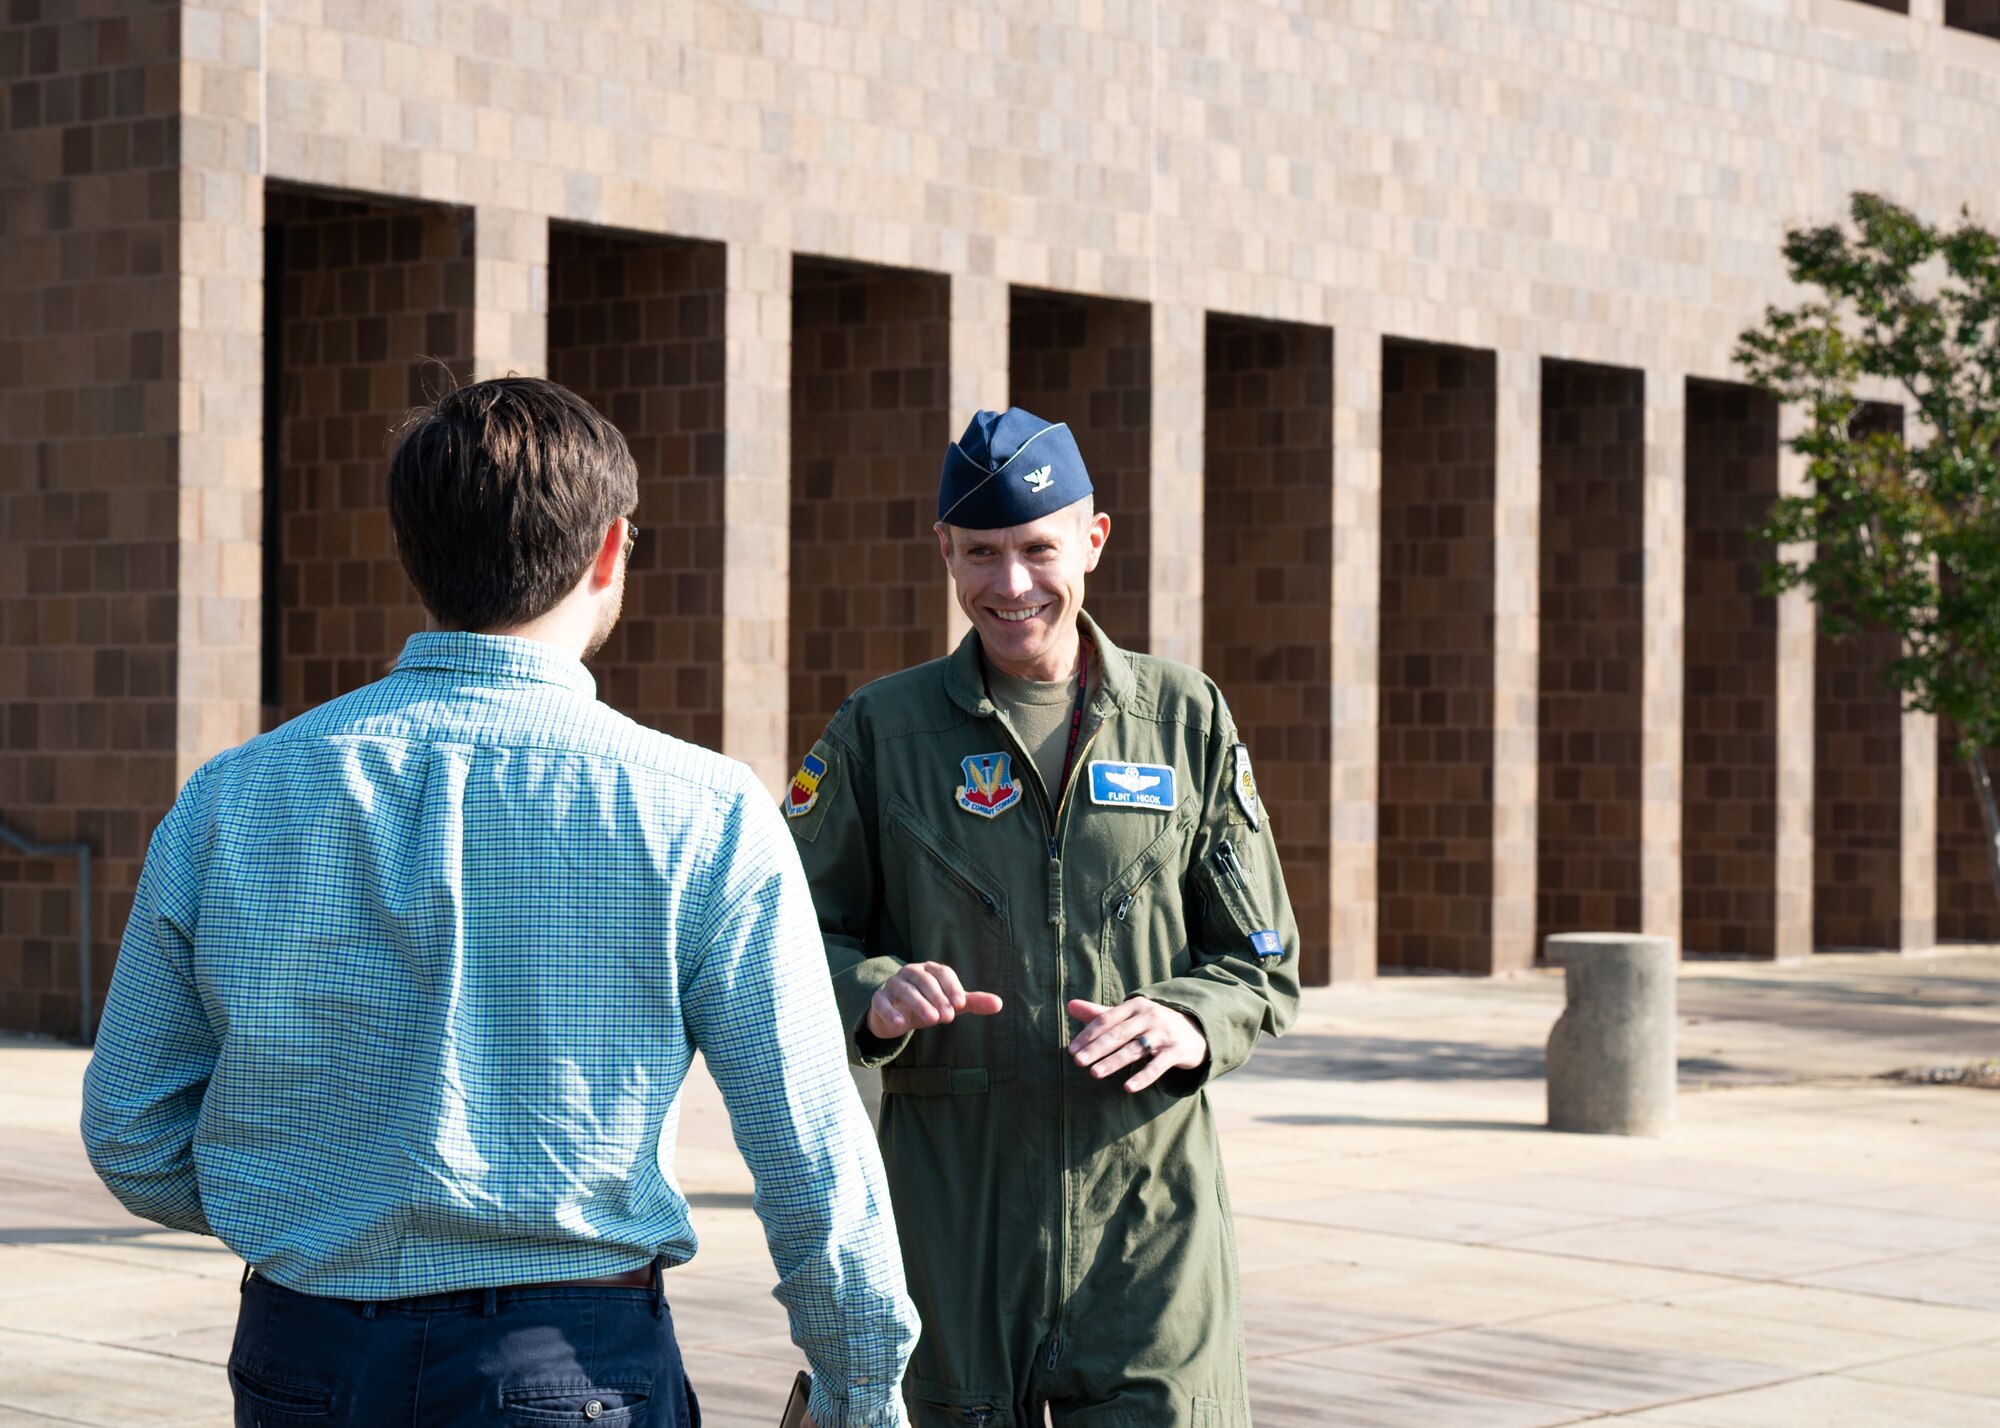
(411,986)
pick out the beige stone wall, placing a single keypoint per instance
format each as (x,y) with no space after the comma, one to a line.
(1600,181)
(1584,181)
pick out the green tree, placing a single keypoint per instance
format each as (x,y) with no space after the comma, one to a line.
(1899,532)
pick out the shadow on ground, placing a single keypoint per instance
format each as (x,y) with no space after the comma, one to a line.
(79,1235)
(1387,1058)
(1398,1123)
(1393,1058)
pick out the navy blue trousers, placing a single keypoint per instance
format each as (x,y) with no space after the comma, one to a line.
(512,1358)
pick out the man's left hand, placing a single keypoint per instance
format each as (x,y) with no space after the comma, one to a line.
(1138,1029)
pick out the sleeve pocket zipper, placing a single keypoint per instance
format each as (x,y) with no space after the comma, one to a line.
(1232,888)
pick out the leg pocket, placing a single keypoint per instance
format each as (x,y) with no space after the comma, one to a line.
(266,1402)
(600,1405)
(926,1412)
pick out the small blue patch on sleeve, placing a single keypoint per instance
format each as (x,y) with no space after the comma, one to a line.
(1267,945)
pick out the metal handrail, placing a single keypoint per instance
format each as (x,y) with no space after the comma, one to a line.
(81,852)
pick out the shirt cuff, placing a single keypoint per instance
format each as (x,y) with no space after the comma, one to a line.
(857,1409)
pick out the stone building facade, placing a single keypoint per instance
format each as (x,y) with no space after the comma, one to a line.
(1397,335)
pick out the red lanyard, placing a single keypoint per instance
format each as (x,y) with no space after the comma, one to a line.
(1076,718)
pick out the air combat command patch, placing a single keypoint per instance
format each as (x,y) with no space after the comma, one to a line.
(989,789)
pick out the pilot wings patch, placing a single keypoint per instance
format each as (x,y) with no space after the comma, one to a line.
(1142,786)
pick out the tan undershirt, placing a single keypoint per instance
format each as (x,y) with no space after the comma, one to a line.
(1040,715)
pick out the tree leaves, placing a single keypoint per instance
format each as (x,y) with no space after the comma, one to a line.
(1899,530)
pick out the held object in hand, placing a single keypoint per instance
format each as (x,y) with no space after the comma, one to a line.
(795,1406)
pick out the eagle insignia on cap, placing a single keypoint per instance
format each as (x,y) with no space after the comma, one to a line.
(1009,468)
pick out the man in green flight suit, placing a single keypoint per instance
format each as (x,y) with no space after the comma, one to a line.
(1053,911)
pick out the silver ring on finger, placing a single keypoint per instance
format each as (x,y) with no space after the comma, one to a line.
(1146,1044)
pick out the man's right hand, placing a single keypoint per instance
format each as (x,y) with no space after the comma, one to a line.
(923,994)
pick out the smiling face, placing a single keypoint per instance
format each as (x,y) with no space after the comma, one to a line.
(1022,586)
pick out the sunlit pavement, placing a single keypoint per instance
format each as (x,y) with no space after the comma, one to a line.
(1811,1245)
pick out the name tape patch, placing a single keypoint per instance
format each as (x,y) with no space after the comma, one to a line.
(1145,786)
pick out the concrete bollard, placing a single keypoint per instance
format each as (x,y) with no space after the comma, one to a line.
(1611,1054)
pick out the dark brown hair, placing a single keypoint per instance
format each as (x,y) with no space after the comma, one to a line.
(499,497)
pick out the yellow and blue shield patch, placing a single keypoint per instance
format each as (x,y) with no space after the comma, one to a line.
(804,792)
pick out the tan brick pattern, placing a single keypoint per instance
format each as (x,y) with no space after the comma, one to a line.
(1088,362)
(1516,640)
(870,407)
(377,301)
(1268,608)
(1592,650)
(90,361)
(1916,923)
(510,292)
(756,509)
(130,299)
(1596,181)
(1968,910)
(980,308)
(1731,727)
(1857,830)
(636,327)
(1436,848)
(1797,714)
(1174,483)
(1868,824)
(1662,674)
(218,457)
(1355,773)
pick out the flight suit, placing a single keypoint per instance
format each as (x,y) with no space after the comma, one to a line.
(1065,1240)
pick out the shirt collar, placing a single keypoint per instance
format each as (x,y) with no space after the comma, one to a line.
(1110,670)
(495,658)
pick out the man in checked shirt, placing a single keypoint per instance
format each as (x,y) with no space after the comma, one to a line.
(411,985)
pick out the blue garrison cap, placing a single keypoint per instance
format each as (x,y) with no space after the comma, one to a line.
(1008,469)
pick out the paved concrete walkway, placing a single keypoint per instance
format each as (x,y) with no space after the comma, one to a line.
(1810,1246)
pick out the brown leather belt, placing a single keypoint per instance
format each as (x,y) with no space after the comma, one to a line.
(630,1279)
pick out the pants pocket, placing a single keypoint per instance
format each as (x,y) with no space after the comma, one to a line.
(584,1405)
(265,1402)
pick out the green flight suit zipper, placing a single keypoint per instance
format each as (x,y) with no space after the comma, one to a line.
(1062,1006)
(1054,827)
